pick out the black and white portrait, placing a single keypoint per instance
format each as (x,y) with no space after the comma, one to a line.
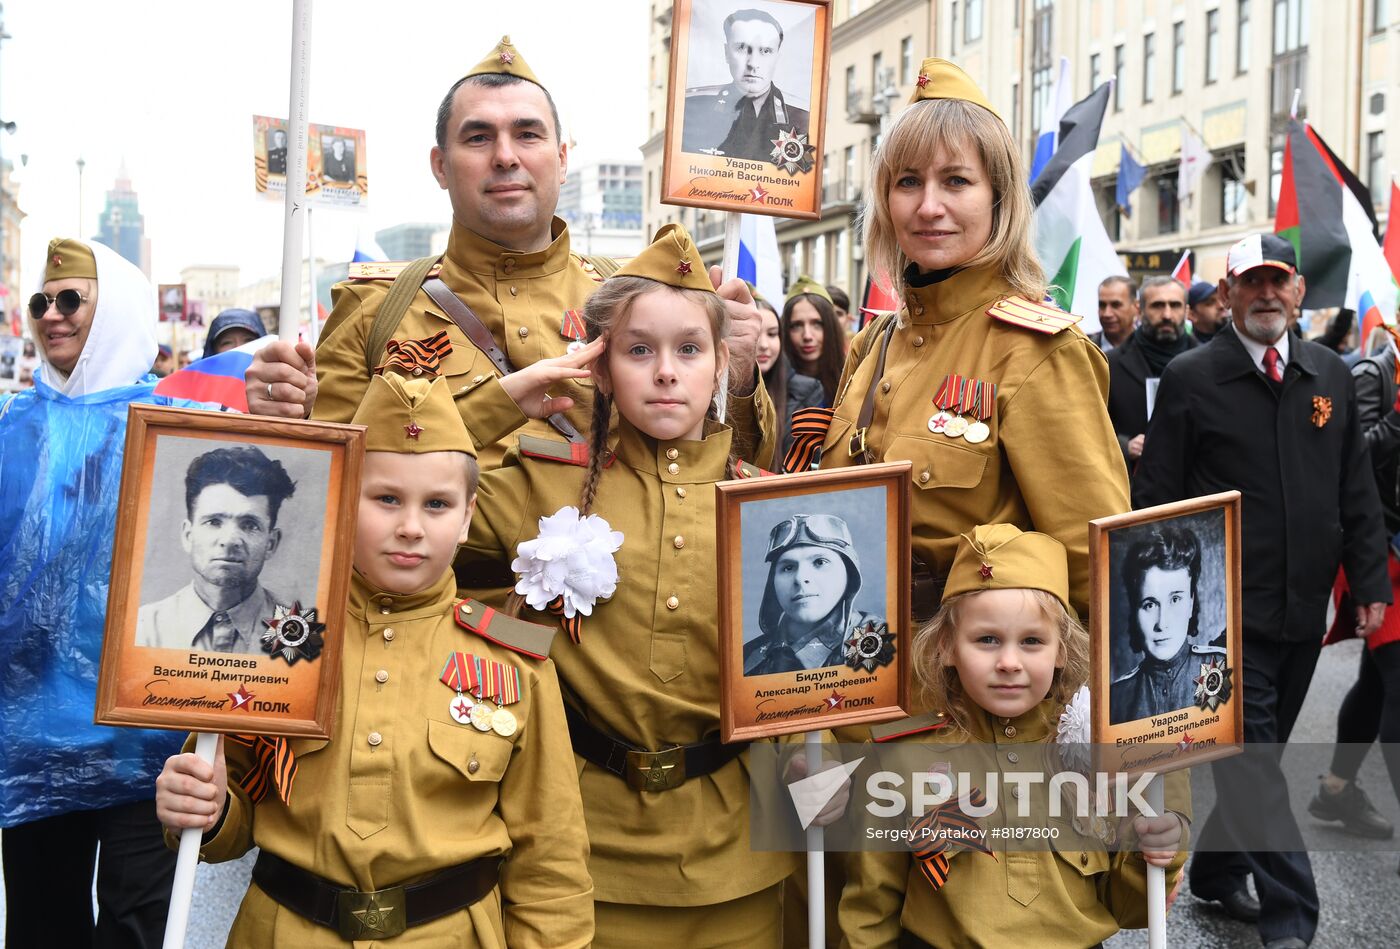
(233,541)
(338,158)
(1167,613)
(813,577)
(748,82)
(276,151)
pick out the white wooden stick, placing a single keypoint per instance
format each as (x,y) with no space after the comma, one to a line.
(816,869)
(1156,877)
(187,862)
(295,201)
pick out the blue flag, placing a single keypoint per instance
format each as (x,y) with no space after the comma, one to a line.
(1130,175)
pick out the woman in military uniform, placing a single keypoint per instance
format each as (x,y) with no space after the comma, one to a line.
(996,398)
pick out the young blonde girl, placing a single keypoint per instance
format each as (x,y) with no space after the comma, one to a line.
(667,805)
(999,663)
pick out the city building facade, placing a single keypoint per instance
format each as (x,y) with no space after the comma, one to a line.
(602,203)
(122,226)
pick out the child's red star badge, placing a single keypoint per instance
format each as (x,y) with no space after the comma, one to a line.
(922,80)
(683,267)
(507,57)
(986,571)
(413,430)
(58,260)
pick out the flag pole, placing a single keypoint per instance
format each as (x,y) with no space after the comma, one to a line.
(293,220)
(312,327)
(1297,99)
(187,861)
(816,867)
(1156,876)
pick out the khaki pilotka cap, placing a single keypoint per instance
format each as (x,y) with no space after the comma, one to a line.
(1004,557)
(504,60)
(940,79)
(69,258)
(412,416)
(804,285)
(671,258)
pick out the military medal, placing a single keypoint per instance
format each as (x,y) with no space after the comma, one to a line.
(572,326)
(791,153)
(461,709)
(965,406)
(938,424)
(292,634)
(1213,684)
(956,427)
(481,717)
(977,433)
(464,673)
(453,676)
(869,645)
(503,722)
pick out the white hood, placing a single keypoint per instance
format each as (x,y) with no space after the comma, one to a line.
(122,342)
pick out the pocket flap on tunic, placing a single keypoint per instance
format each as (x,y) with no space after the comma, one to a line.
(461,745)
(945,463)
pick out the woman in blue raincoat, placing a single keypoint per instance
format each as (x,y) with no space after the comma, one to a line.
(67,785)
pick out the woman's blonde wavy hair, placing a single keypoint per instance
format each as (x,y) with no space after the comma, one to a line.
(954,126)
(933,651)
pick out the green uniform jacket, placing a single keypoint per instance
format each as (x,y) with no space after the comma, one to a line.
(647,667)
(1051,463)
(1049,899)
(427,795)
(521,299)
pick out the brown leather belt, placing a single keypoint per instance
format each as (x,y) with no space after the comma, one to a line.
(647,770)
(380,914)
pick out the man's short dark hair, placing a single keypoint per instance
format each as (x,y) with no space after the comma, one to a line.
(491,80)
(1159,280)
(1166,548)
(753,15)
(245,469)
(1125,281)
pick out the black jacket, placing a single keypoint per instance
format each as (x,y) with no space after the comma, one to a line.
(1309,498)
(1374,378)
(1127,391)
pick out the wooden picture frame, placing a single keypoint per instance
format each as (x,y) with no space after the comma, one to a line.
(172,660)
(772,165)
(1143,718)
(848,665)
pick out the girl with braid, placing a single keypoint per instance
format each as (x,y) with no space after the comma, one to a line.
(617,545)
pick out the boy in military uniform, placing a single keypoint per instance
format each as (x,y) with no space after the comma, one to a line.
(440,813)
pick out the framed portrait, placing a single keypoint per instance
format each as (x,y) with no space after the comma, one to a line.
(172,303)
(337,173)
(746,114)
(1165,630)
(813,600)
(230,573)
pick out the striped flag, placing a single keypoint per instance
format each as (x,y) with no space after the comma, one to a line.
(1391,246)
(759,262)
(217,378)
(1182,270)
(1056,106)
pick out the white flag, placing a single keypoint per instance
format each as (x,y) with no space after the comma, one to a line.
(1195,159)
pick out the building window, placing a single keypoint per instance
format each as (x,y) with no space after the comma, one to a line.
(1178,57)
(1094,72)
(1016,110)
(1118,78)
(1212,46)
(1042,57)
(1149,65)
(1376,177)
(1168,211)
(1275,173)
(877,66)
(972,21)
(1233,196)
(1242,38)
(852,93)
(1040,97)
(906,60)
(850,166)
(953,27)
(1379,19)
(1290,25)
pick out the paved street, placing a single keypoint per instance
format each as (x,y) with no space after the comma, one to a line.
(1358,890)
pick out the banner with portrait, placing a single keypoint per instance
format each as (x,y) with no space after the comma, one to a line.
(336,167)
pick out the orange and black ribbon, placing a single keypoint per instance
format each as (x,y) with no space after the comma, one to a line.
(416,357)
(808,432)
(573,625)
(274,766)
(930,837)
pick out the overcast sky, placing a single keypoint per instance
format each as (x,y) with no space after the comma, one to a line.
(171,88)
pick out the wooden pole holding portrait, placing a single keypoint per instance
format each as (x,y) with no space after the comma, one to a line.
(294,203)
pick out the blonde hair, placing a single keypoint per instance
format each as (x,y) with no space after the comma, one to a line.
(952,126)
(604,314)
(933,653)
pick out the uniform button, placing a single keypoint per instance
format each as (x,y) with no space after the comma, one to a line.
(512,291)
(923,477)
(679,541)
(476,379)
(523,331)
(473,766)
(388,635)
(374,739)
(221,617)
(673,453)
(381,676)
(417,370)
(673,468)
(673,602)
(1010,731)
(1083,859)
(918,341)
(884,387)
(1015,790)
(918,311)
(1012,757)
(508,265)
(680,492)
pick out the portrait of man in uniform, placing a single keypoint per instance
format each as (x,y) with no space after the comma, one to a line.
(745,117)
(276,152)
(337,159)
(233,497)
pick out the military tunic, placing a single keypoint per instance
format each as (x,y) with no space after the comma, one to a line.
(646,669)
(1156,687)
(725,122)
(402,791)
(521,298)
(1051,462)
(1051,899)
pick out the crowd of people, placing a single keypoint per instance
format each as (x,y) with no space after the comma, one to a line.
(598,805)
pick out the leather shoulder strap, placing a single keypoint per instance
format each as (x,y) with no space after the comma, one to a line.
(395,305)
(867,408)
(470,324)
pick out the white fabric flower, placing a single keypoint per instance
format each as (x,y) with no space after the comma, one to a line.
(1075,728)
(572,557)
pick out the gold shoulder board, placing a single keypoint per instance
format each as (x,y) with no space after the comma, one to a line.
(909,726)
(1041,317)
(383,269)
(517,635)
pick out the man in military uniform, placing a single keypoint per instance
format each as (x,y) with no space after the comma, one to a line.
(501,159)
(744,118)
(277,152)
(338,166)
(232,498)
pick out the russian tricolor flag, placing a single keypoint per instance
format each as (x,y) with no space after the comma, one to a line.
(217,378)
(1369,314)
(759,262)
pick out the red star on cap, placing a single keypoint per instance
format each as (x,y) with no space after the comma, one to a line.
(759,195)
(922,80)
(58,260)
(507,57)
(986,571)
(413,430)
(683,267)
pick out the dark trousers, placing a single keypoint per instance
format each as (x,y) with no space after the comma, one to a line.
(1371,710)
(1252,799)
(48,879)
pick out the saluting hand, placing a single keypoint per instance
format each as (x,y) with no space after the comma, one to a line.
(527,386)
(190,792)
(282,380)
(745,324)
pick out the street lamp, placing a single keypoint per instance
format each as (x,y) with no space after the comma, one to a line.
(81,164)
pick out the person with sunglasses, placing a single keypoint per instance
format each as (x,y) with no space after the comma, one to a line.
(67,785)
